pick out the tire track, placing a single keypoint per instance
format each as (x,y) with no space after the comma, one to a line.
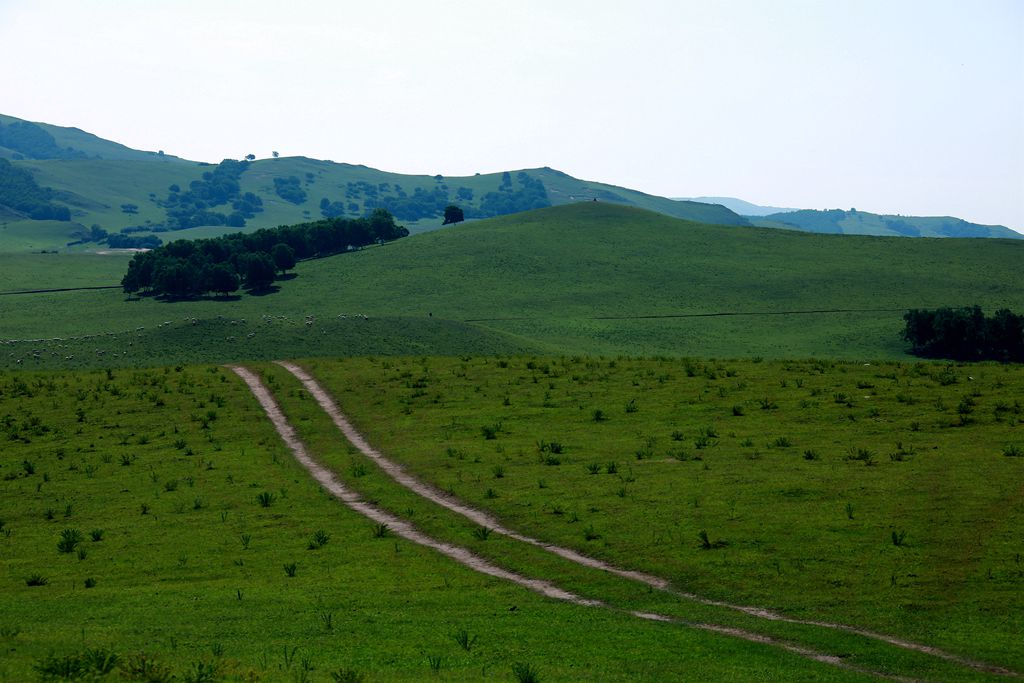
(401,476)
(467,558)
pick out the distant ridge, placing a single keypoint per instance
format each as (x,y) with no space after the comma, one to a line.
(740,206)
(853,222)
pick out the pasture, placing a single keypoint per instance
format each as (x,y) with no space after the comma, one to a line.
(153,525)
(585,278)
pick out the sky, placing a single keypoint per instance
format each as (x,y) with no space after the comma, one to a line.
(893,106)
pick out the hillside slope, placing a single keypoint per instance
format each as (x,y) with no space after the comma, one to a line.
(116,188)
(582,278)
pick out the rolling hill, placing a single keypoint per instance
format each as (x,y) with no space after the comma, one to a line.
(590,277)
(117,189)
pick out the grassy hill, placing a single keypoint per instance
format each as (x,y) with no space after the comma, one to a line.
(95,178)
(852,222)
(582,278)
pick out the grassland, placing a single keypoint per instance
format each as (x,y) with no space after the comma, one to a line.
(886,496)
(585,278)
(191,519)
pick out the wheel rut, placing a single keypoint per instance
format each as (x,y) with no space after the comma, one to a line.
(400,475)
(404,529)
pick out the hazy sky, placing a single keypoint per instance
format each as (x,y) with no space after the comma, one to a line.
(912,106)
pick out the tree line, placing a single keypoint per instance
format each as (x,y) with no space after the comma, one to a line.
(190,268)
(965,334)
(20,192)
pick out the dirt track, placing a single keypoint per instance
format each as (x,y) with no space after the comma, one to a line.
(400,475)
(467,558)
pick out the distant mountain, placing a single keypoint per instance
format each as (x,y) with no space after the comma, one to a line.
(743,208)
(119,189)
(853,222)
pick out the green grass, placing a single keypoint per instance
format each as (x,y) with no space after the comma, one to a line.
(594,278)
(195,574)
(812,537)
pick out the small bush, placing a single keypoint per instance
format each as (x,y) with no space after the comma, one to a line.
(319,539)
(90,582)
(737,411)
(897,538)
(490,432)
(525,673)
(290,569)
(69,539)
(36,580)
(464,640)
(266,499)
(381,530)
(1013,451)
(631,406)
(498,471)
(598,415)
(611,468)
(782,442)
(594,468)
(811,454)
(482,533)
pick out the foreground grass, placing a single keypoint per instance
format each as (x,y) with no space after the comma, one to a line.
(885,496)
(192,516)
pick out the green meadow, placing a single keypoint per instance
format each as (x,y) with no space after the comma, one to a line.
(882,495)
(585,278)
(152,525)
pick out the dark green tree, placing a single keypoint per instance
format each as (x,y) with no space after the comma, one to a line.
(259,272)
(453,214)
(284,257)
(222,279)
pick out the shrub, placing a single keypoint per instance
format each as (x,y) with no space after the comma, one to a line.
(1013,451)
(593,468)
(290,569)
(266,499)
(482,533)
(319,539)
(381,530)
(737,410)
(525,673)
(69,539)
(36,580)
(897,538)
(598,415)
(498,471)
(464,640)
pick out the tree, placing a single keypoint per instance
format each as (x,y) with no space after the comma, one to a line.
(250,157)
(222,279)
(453,214)
(130,209)
(284,256)
(259,272)
(275,154)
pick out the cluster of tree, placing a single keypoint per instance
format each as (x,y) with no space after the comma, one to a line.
(20,192)
(431,203)
(218,187)
(118,241)
(289,189)
(531,195)
(32,141)
(965,334)
(189,268)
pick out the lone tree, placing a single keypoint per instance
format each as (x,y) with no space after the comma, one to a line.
(453,214)
(250,157)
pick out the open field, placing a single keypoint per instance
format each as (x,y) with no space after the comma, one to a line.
(190,517)
(586,278)
(885,496)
